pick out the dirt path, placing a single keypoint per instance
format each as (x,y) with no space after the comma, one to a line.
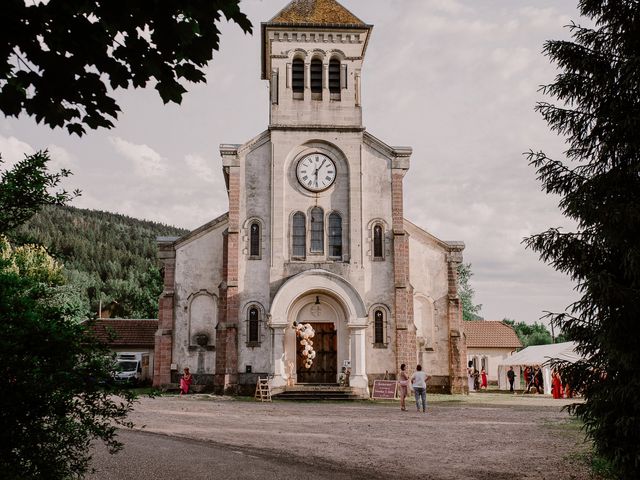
(488,436)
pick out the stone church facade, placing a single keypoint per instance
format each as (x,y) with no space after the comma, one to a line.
(315,233)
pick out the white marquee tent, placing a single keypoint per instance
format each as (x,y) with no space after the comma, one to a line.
(537,355)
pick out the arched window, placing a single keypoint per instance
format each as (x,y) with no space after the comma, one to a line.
(297,77)
(253,327)
(378,327)
(316,79)
(378,250)
(299,236)
(317,230)
(334,79)
(335,235)
(254,240)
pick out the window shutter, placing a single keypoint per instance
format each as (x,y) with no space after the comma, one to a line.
(317,230)
(299,240)
(343,76)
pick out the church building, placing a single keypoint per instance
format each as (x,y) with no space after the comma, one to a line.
(315,233)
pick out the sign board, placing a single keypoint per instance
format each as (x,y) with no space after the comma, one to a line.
(384,389)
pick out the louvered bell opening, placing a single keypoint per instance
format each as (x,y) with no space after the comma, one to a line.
(334,79)
(297,78)
(316,79)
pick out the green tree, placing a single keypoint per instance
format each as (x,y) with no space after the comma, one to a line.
(598,111)
(58,392)
(60,60)
(106,256)
(470,311)
(27,187)
(534,334)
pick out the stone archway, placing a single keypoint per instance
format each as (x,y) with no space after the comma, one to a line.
(296,300)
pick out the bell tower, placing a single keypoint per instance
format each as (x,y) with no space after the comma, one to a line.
(312,55)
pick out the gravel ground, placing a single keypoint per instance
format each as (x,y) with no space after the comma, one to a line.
(480,436)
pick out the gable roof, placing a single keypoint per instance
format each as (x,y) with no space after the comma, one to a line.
(316,12)
(490,334)
(126,333)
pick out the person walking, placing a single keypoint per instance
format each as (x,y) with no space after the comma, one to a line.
(403,383)
(419,386)
(511,376)
(483,379)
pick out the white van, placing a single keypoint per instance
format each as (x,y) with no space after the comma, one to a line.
(132,367)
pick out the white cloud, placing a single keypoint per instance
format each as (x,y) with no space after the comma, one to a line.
(60,157)
(13,150)
(511,61)
(543,17)
(147,162)
(201,167)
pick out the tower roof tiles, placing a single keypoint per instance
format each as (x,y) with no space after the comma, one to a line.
(316,12)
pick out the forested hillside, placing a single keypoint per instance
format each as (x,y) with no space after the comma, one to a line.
(107,257)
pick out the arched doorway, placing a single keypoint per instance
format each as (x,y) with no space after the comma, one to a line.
(326,318)
(340,307)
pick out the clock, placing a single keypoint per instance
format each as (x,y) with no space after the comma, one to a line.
(316,172)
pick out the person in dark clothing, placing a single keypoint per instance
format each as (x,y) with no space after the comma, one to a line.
(539,381)
(511,375)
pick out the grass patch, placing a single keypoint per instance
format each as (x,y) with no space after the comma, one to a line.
(147,392)
(600,468)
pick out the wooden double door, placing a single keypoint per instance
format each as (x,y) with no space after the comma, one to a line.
(325,365)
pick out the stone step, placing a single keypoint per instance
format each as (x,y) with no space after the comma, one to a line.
(317,392)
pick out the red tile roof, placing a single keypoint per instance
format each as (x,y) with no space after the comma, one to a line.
(129,333)
(316,12)
(490,334)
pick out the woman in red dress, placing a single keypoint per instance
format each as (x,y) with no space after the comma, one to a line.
(483,377)
(556,385)
(185,381)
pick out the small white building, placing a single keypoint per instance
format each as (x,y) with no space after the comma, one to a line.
(489,342)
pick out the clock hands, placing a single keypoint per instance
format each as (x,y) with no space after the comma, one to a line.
(318,169)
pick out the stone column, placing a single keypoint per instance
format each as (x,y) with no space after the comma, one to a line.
(326,96)
(357,343)
(280,374)
(307,81)
(457,342)
(226,376)
(405,336)
(164,335)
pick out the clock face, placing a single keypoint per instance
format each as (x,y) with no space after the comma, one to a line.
(316,172)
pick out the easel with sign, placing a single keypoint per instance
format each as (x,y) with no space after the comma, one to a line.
(263,390)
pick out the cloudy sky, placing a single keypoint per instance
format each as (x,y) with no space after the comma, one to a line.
(456,80)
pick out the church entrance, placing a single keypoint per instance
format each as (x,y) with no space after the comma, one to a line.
(325,365)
